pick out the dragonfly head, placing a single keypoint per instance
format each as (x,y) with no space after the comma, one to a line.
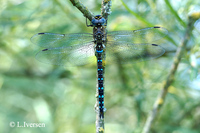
(98,20)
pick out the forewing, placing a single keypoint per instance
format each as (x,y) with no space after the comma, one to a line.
(146,35)
(68,56)
(52,40)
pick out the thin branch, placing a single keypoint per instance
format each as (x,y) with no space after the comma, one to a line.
(106,8)
(161,98)
(86,12)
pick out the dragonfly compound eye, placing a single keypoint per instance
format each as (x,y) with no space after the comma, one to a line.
(98,21)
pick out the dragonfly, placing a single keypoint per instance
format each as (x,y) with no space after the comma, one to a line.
(100,47)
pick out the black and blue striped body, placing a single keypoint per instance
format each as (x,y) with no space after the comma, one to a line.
(99,35)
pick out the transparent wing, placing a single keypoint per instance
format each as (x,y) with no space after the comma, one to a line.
(129,53)
(146,35)
(68,56)
(52,40)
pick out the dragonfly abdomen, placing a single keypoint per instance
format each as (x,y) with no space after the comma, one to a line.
(100,70)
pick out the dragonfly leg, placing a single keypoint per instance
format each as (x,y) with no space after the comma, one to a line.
(88,25)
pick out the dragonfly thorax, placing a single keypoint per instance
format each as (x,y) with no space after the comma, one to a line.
(99,34)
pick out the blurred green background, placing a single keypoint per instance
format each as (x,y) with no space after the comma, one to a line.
(64,98)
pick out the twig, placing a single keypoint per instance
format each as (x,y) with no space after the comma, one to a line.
(86,12)
(106,8)
(161,98)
